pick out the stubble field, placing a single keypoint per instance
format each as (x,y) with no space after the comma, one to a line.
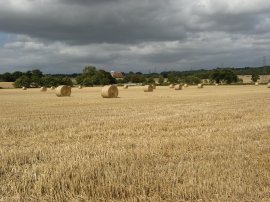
(210,144)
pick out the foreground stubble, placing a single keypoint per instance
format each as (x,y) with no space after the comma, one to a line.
(211,144)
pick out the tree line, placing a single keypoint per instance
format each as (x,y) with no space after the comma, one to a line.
(34,78)
(91,76)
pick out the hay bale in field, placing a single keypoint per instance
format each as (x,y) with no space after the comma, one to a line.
(200,85)
(268,85)
(171,85)
(80,87)
(62,91)
(109,91)
(125,86)
(148,88)
(52,88)
(154,86)
(43,89)
(186,85)
(217,84)
(24,88)
(256,84)
(178,87)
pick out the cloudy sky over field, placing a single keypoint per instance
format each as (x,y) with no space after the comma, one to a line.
(62,36)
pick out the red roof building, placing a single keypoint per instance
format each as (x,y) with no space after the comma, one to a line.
(117,75)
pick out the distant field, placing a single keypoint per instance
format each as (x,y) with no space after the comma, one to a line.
(247,78)
(6,85)
(210,144)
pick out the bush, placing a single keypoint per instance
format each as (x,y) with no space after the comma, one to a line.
(22,81)
(91,76)
(191,80)
(49,81)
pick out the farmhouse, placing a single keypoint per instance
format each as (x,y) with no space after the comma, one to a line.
(117,75)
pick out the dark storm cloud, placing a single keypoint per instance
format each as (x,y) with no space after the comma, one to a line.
(128,34)
(124,21)
(94,21)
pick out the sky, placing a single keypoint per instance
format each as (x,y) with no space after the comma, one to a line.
(63,36)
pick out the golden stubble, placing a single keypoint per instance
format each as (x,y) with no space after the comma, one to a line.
(210,144)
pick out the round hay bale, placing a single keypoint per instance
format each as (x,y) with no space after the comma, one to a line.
(256,84)
(52,88)
(80,87)
(217,84)
(178,87)
(62,91)
(148,88)
(268,85)
(200,85)
(186,85)
(43,89)
(109,91)
(171,85)
(125,87)
(24,88)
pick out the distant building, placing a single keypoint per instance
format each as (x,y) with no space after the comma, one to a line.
(117,75)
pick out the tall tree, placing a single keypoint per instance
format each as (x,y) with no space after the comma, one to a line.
(255,77)
(36,77)
(7,77)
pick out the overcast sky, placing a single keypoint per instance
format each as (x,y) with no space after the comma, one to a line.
(63,36)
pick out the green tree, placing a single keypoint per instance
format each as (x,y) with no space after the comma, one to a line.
(255,77)
(191,80)
(105,77)
(161,80)
(65,81)
(37,73)
(36,76)
(7,77)
(91,76)
(223,75)
(151,80)
(16,75)
(23,81)
(87,81)
(89,71)
(172,78)
(216,76)
(28,74)
(127,79)
(79,79)
(136,78)
(49,81)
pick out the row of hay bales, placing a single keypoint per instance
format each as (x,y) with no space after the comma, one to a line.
(111,91)
(59,91)
(180,86)
(175,86)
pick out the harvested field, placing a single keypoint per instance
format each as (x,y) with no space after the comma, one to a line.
(6,85)
(211,144)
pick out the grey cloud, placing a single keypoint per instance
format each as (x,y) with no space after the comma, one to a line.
(65,35)
(117,22)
